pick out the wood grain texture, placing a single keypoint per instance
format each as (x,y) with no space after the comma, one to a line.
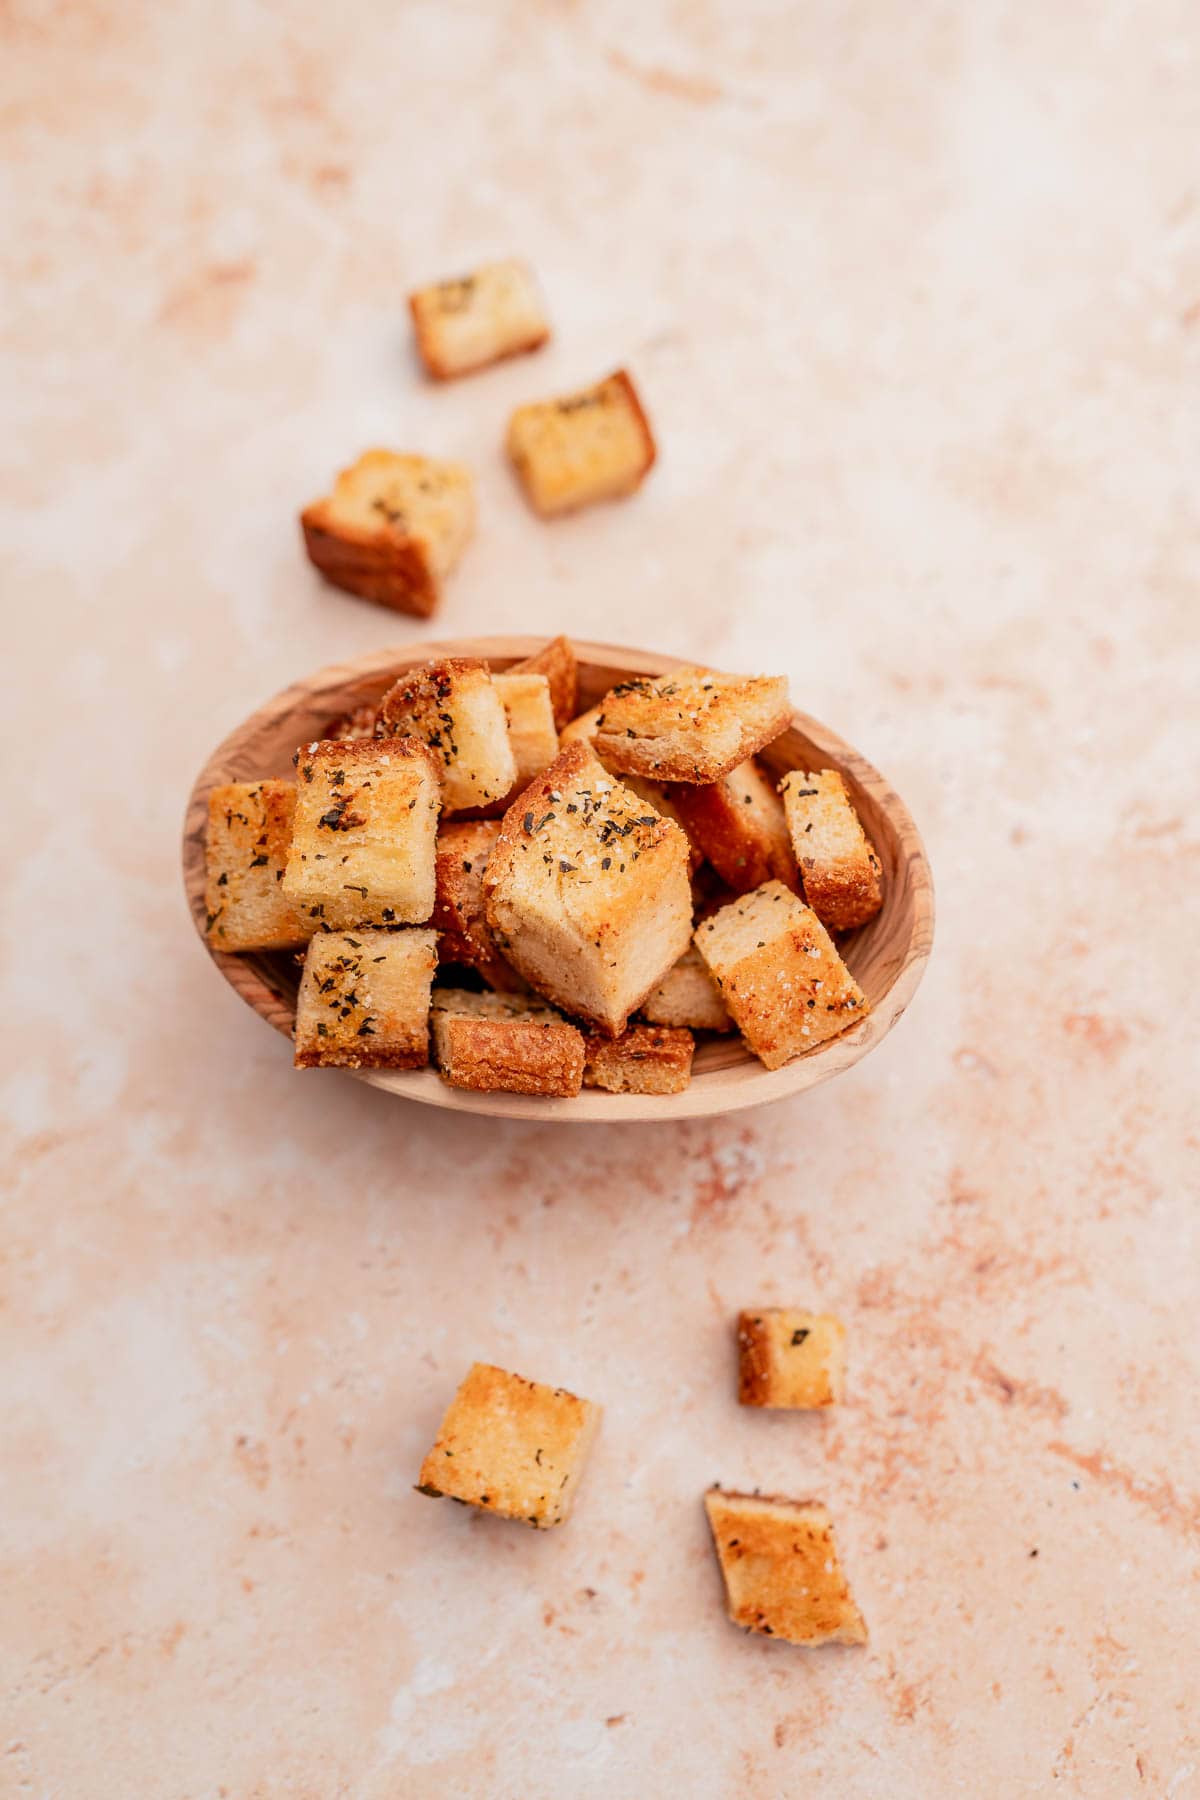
(887,956)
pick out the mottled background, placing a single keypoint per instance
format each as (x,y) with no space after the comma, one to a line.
(914,297)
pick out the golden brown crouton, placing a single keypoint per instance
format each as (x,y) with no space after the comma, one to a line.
(738,823)
(464,935)
(790,1358)
(779,974)
(530,715)
(392,529)
(364,1000)
(505,1043)
(693,725)
(781,1569)
(478,319)
(688,996)
(594,445)
(837,860)
(583,730)
(512,1446)
(587,891)
(362,850)
(645,1059)
(455,707)
(249,830)
(558,663)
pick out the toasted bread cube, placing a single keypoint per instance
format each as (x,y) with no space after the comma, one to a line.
(781,1569)
(583,730)
(693,725)
(688,996)
(455,707)
(511,1446)
(505,1043)
(837,859)
(530,714)
(477,319)
(594,445)
(587,891)
(392,529)
(558,663)
(363,843)
(739,824)
(645,1059)
(364,1000)
(790,1359)
(779,974)
(249,830)
(464,935)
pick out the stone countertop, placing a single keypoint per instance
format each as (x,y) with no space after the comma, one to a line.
(914,300)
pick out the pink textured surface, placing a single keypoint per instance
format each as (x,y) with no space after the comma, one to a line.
(914,297)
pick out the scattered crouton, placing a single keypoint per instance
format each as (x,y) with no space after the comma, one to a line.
(781,1569)
(477,319)
(788,1358)
(362,850)
(464,935)
(587,891)
(530,714)
(693,725)
(594,445)
(455,707)
(687,996)
(505,1043)
(511,1446)
(645,1059)
(364,1000)
(738,823)
(392,529)
(558,663)
(779,974)
(838,863)
(249,830)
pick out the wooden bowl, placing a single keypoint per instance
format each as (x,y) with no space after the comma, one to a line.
(887,956)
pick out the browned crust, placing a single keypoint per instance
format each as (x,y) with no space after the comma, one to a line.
(513,1056)
(645,1059)
(459,916)
(365,750)
(754,1360)
(426,686)
(624,380)
(383,565)
(733,839)
(559,664)
(647,755)
(425,333)
(843,894)
(412,1056)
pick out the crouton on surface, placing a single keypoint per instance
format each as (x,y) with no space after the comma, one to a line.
(779,974)
(505,1043)
(688,996)
(838,863)
(362,850)
(781,1569)
(530,714)
(249,830)
(477,319)
(693,725)
(788,1358)
(559,664)
(593,445)
(392,529)
(739,824)
(587,891)
(455,707)
(464,935)
(364,1000)
(645,1059)
(511,1446)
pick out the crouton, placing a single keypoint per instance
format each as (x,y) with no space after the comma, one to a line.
(583,730)
(392,529)
(249,830)
(779,974)
(587,891)
(738,823)
(688,996)
(362,850)
(530,714)
(645,1059)
(594,445)
(692,726)
(455,706)
(465,324)
(364,1000)
(464,935)
(359,722)
(838,863)
(558,663)
(781,1569)
(505,1043)
(511,1446)
(790,1359)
